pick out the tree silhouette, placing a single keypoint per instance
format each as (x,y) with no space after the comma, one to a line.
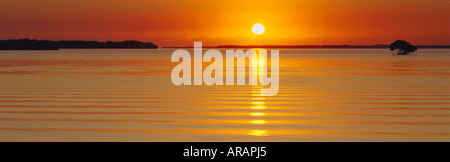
(403,47)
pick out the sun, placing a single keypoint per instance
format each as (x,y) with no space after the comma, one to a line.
(258,29)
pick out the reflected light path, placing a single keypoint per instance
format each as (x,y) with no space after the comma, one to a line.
(257,103)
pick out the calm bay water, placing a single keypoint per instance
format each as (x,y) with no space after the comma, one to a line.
(127,95)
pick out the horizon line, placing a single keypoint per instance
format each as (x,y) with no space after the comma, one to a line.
(252,45)
(309,46)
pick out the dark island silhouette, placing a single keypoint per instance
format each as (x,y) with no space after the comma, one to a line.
(33,44)
(403,47)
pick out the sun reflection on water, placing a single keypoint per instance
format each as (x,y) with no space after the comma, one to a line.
(258,107)
(257,114)
(258,133)
(257,104)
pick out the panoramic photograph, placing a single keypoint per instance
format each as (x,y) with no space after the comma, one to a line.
(224,71)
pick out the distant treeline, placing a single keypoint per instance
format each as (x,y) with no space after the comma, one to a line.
(29,44)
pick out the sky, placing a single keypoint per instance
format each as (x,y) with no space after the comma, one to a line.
(227,22)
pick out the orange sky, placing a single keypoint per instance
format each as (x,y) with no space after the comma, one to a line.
(217,22)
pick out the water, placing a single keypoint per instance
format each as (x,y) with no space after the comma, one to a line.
(127,95)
